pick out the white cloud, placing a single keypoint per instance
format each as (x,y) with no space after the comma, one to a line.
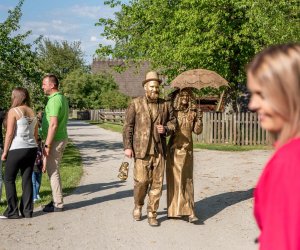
(93,39)
(37,27)
(94,12)
(90,47)
(105,41)
(50,27)
(57,22)
(53,37)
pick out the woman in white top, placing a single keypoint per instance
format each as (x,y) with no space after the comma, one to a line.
(20,149)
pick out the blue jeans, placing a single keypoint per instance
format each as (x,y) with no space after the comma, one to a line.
(0,174)
(36,184)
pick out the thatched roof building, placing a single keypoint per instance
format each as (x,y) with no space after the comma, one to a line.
(130,80)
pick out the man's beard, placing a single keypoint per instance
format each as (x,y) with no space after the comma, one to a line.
(152,95)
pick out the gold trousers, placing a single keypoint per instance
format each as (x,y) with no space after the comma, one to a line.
(148,178)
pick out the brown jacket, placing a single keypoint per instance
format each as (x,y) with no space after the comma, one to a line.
(137,127)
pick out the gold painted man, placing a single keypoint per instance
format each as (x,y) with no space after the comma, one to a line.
(148,119)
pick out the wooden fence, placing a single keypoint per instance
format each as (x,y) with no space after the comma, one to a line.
(234,128)
(115,116)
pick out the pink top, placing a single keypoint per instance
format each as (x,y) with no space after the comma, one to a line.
(277,200)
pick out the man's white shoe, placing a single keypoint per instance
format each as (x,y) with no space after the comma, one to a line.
(3,217)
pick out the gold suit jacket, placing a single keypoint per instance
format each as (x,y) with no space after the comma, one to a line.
(139,126)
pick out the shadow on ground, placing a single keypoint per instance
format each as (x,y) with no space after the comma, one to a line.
(211,206)
(92,188)
(99,144)
(100,199)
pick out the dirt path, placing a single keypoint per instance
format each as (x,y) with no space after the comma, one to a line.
(98,213)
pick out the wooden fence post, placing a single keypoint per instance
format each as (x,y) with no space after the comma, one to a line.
(235,128)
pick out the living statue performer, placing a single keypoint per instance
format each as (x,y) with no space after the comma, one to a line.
(148,119)
(180,187)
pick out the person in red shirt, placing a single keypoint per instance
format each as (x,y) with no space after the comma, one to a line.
(273,79)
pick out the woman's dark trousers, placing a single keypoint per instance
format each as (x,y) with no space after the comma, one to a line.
(23,160)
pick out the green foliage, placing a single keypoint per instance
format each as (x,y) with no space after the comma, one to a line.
(113,99)
(219,35)
(18,61)
(60,58)
(90,91)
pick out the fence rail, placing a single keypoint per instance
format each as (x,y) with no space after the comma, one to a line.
(234,128)
(116,116)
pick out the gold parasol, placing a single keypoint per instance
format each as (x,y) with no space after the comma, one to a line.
(199,79)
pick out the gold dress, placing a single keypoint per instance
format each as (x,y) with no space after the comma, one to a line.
(179,170)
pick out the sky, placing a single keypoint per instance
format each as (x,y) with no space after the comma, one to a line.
(71,20)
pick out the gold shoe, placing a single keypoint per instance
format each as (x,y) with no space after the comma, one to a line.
(153,222)
(137,213)
(193,218)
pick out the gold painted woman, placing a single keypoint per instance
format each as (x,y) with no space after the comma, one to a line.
(180,187)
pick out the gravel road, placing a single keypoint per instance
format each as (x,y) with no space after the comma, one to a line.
(98,214)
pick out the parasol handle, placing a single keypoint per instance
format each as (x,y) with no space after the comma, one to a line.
(199,112)
(220,101)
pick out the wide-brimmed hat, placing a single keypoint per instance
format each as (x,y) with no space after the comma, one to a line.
(152,76)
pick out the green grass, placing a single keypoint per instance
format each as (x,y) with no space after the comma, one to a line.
(109,126)
(70,171)
(221,147)
(230,147)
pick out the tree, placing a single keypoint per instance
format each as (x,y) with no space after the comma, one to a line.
(60,58)
(90,91)
(18,61)
(220,35)
(113,99)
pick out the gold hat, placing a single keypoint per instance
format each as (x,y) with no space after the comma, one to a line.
(152,76)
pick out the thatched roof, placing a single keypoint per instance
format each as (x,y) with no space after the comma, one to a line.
(130,80)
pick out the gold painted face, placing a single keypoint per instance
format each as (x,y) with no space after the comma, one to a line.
(152,90)
(184,98)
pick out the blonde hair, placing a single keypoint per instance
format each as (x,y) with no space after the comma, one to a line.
(19,97)
(277,70)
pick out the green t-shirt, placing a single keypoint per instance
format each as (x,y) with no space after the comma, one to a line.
(57,106)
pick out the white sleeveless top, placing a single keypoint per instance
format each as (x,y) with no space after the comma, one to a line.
(24,132)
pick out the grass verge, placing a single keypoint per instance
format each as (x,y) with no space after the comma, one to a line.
(229,147)
(221,147)
(109,126)
(70,171)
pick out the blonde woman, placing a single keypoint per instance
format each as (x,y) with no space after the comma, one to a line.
(20,149)
(274,83)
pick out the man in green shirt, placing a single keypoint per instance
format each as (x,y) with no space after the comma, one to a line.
(54,134)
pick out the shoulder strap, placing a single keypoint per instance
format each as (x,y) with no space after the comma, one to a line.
(18,111)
